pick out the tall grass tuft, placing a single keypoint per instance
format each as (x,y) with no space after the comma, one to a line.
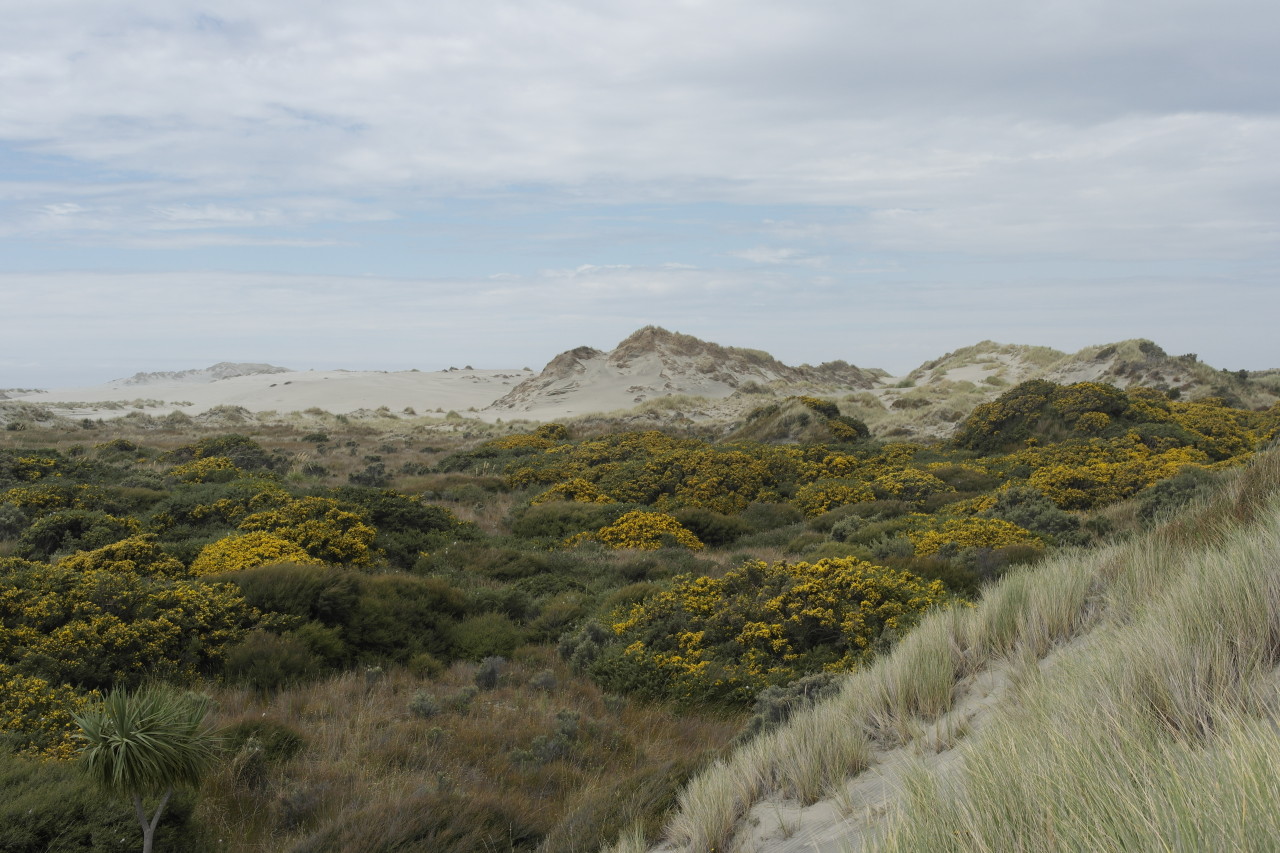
(1154,726)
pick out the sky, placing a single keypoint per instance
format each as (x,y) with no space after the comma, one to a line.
(394,184)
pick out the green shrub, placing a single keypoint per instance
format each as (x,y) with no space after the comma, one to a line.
(490,671)
(584,648)
(424,705)
(277,741)
(486,635)
(555,521)
(1032,509)
(12,521)
(372,475)
(329,595)
(713,528)
(266,661)
(776,704)
(51,807)
(503,564)
(1170,495)
(245,453)
(73,530)
(398,616)
(770,516)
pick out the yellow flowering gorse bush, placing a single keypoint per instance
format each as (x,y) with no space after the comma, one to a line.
(760,624)
(247,551)
(643,531)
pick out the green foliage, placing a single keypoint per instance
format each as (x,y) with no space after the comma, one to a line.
(725,639)
(713,528)
(73,530)
(1033,510)
(266,661)
(278,742)
(487,635)
(242,451)
(50,807)
(490,671)
(406,525)
(147,743)
(556,521)
(777,703)
(12,521)
(356,616)
(1170,495)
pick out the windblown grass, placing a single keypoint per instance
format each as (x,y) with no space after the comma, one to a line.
(1146,717)
(543,760)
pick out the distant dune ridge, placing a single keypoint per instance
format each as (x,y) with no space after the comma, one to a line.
(221,370)
(654,363)
(656,376)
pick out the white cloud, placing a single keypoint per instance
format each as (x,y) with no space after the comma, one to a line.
(1015,121)
(910,176)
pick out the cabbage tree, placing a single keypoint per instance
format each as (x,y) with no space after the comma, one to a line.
(146,743)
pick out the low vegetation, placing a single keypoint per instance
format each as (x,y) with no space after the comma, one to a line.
(532,638)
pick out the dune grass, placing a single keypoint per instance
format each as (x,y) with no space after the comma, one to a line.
(1146,714)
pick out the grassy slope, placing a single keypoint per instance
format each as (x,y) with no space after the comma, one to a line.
(1136,709)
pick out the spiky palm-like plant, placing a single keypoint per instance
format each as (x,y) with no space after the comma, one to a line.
(145,743)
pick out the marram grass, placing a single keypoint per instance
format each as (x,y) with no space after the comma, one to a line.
(1156,726)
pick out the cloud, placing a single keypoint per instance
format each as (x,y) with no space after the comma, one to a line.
(771,255)
(833,179)
(1019,121)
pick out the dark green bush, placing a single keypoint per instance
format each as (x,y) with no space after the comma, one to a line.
(713,528)
(555,521)
(399,616)
(372,475)
(12,521)
(407,526)
(277,741)
(964,479)
(266,661)
(376,617)
(497,563)
(1168,496)
(487,635)
(244,452)
(71,530)
(584,648)
(52,807)
(490,671)
(328,595)
(508,600)
(1030,508)
(775,705)
(770,516)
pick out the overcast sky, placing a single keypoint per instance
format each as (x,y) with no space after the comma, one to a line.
(393,184)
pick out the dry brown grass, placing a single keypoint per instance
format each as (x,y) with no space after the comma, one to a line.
(518,766)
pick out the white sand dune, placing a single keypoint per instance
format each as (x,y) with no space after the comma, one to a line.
(336,391)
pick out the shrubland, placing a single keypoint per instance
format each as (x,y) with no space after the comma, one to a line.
(530,638)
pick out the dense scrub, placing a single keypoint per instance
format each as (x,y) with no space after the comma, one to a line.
(664,568)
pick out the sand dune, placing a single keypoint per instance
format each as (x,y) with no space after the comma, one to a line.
(337,391)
